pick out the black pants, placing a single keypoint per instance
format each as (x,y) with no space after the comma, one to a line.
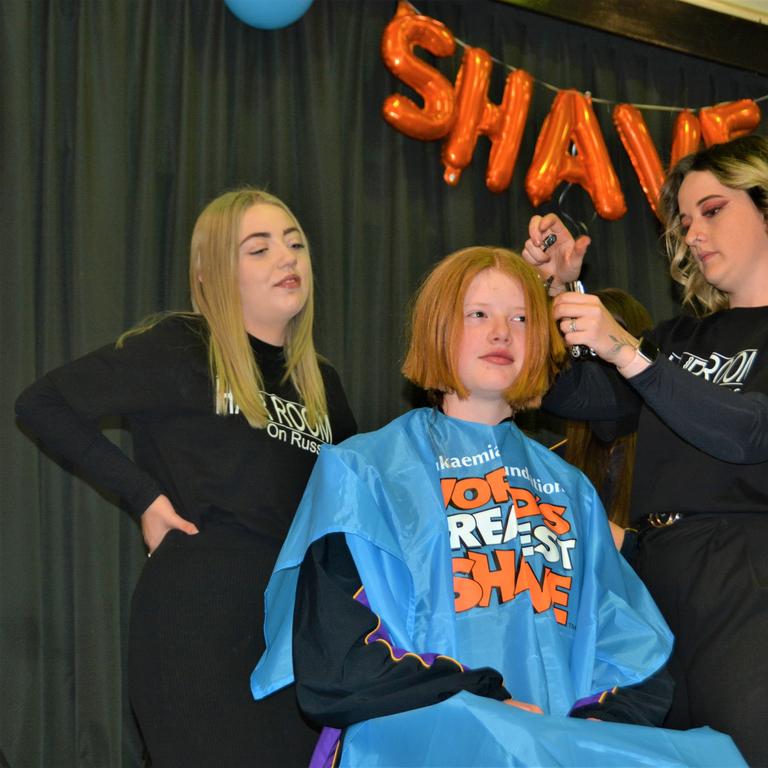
(196,633)
(709,577)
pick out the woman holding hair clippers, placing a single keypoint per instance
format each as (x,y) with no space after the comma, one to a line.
(697,389)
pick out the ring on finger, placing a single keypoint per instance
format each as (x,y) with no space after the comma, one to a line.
(572,326)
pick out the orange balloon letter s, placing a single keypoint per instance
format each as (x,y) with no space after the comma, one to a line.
(405,31)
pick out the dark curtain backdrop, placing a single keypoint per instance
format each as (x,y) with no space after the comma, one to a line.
(119,119)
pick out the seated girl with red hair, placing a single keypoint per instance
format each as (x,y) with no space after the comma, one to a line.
(449,593)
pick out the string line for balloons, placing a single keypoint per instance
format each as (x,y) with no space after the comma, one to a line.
(595,100)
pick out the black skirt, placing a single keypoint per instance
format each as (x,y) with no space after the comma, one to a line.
(709,577)
(196,633)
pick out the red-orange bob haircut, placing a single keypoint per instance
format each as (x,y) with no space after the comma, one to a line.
(437,325)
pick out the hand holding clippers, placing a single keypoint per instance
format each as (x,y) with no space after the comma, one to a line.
(579,351)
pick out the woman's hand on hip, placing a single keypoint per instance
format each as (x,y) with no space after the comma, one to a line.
(159,518)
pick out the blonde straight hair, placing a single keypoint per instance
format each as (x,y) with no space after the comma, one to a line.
(214,289)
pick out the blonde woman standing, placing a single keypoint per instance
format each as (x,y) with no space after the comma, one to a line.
(228,406)
(697,389)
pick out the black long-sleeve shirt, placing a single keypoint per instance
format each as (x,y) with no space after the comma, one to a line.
(701,411)
(212,467)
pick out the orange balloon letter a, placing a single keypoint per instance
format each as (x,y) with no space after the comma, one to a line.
(572,121)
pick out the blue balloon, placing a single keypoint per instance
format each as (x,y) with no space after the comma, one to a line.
(268,14)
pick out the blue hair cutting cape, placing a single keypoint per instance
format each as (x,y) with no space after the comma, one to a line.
(477,543)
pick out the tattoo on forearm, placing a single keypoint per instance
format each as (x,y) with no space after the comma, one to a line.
(618,343)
